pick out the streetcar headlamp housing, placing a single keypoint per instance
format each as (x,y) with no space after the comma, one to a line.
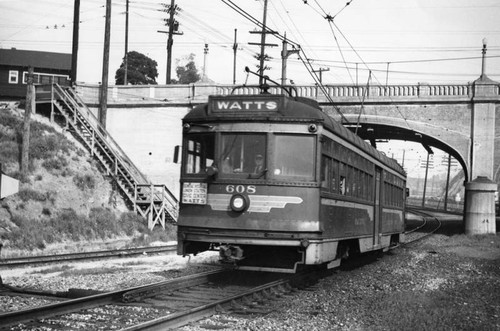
(239,203)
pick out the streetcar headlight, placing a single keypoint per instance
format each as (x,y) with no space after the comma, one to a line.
(239,203)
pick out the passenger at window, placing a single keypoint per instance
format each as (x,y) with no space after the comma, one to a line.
(227,165)
(259,164)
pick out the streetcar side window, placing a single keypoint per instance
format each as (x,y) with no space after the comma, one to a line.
(335,179)
(199,153)
(294,156)
(325,172)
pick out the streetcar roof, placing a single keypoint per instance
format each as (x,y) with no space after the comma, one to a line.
(278,108)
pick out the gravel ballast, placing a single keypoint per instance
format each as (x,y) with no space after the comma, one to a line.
(445,282)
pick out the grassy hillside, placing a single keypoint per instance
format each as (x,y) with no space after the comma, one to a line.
(65,197)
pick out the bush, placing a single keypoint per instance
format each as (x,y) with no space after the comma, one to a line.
(84,182)
(106,223)
(11,121)
(133,223)
(9,151)
(158,234)
(29,234)
(67,224)
(55,163)
(28,194)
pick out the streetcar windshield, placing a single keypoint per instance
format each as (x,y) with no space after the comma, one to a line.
(200,149)
(293,157)
(243,153)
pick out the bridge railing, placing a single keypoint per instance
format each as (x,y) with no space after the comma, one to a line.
(198,93)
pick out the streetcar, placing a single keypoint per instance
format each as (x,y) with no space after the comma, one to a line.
(275,184)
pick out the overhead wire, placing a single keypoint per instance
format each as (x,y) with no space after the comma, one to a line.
(303,57)
(332,24)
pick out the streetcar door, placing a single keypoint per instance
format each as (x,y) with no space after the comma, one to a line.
(377,212)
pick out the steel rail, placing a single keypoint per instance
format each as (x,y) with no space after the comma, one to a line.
(181,318)
(426,215)
(69,306)
(424,221)
(8,262)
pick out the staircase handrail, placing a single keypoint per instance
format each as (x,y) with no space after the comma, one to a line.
(69,95)
(164,190)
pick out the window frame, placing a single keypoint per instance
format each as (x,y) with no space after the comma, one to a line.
(202,155)
(273,147)
(13,77)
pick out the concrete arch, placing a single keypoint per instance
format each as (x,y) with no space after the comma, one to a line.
(455,143)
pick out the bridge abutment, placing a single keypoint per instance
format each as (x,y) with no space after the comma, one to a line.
(480,206)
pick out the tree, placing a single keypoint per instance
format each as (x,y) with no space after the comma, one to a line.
(141,70)
(188,73)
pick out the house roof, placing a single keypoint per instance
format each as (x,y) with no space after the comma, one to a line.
(37,59)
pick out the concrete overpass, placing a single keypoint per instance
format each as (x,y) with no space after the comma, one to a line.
(459,119)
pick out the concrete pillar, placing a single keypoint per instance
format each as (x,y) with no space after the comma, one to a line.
(480,193)
(483,127)
(480,206)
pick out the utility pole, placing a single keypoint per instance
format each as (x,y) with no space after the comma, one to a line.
(387,74)
(170,40)
(103,99)
(235,48)
(125,59)
(285,53)
(74,52)
(30,105)
(262,44)
(320,70)
(447,184)
(173,27)
(205,52)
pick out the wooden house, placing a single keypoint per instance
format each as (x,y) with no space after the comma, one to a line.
(48,68)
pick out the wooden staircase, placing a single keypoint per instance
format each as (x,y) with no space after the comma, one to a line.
(154,202)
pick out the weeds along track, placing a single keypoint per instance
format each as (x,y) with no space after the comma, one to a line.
(71,257)
(430,224)
(159,306)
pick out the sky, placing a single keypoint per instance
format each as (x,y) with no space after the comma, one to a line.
(351,41)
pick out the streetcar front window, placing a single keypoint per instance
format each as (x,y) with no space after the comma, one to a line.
(243,154)
(294,157)
(200,149)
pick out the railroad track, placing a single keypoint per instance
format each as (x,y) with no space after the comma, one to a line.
(172,303)
(159,306)
(430,224)
(44,259)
